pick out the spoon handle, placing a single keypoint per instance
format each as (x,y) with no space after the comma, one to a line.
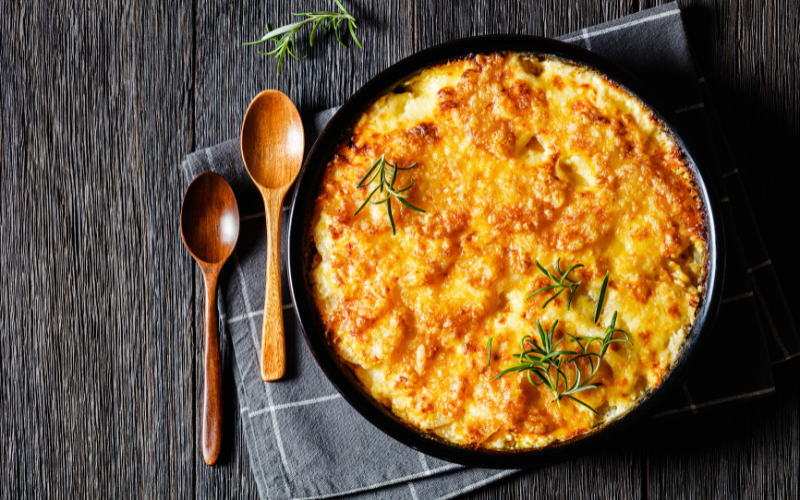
(212,374)
(273,350)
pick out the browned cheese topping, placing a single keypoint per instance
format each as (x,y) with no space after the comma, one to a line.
(520,158)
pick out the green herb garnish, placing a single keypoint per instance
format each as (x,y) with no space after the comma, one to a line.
(600,299)
(380,170)
(546,362)
(283,37)
(606,340)
(489,351)
(560,284)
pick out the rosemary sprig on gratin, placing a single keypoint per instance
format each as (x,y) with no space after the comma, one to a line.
(545,360)
(563,282)
(380,170)
(283,37)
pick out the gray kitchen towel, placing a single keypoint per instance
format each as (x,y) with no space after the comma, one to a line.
(306,442)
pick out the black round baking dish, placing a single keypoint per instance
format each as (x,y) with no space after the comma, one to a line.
(345,382)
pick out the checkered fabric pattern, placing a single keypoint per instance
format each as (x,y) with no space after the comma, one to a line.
(305,442)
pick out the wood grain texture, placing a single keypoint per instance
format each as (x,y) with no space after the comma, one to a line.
(102,310)
(273,340)
(750,57)
(97,352)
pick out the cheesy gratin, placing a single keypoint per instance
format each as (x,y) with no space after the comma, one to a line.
(520,158)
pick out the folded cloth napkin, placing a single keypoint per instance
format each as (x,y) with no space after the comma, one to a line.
(306,442)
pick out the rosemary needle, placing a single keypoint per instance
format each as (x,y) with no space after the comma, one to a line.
(600,299)
(489,351)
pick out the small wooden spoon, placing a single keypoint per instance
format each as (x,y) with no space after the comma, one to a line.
(210,228)
(272,149)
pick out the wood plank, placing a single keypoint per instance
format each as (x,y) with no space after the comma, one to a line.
(229,74)
(96,314)
(749,56)
(749,452)
(614,473)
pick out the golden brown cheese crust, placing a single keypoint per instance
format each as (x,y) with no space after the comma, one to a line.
(520,158)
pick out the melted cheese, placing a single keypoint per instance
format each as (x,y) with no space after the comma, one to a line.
(520,158)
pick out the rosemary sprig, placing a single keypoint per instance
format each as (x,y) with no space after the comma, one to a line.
(546,361)
(380,170)
(600,299)
(563,282)
(283,37)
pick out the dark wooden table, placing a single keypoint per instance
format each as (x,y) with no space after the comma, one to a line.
(100,327)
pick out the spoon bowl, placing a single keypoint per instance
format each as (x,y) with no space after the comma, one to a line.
(210,228)
(272,140)
(272,150)
(209,219)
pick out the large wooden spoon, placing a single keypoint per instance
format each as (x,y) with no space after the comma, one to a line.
(210,228)
(272,149)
